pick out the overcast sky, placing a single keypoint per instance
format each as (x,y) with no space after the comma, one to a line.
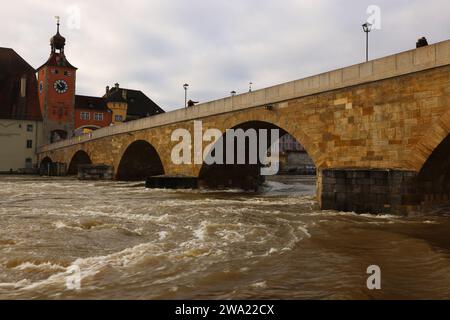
(214,45)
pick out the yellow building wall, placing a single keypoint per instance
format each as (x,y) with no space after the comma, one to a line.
(118,109)
(13,143)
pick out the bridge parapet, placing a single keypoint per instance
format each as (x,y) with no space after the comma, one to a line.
(416,60)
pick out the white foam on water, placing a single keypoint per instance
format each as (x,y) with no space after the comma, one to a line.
(272,186)
(89,267)
(259,285)
(63,225)
(200,232)
(15,285)
(162,235)
(304,230)
(46,266)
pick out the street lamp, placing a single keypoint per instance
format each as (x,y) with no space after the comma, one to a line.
(250,86)
(233,93)
(185,86)
(367,27)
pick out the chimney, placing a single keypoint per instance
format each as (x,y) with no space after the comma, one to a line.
(107,89)
(116,86)
(124,94)
(422,42)
(23,86)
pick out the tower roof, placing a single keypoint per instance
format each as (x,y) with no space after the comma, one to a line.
(57,57)
(58,60)
(57,42)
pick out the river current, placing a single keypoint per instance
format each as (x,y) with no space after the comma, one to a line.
(129,242)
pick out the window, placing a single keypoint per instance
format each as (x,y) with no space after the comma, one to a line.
(85,116)
(29,127)
(29,144)
(98,116)
(66,73)
(54,71)
(118,117)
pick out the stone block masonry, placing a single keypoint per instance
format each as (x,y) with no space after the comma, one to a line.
(371,191)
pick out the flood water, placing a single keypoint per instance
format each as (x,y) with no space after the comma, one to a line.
(129,242)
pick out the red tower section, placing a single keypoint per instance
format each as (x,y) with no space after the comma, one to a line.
(56,81)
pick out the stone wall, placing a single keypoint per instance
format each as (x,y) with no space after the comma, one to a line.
(374,191)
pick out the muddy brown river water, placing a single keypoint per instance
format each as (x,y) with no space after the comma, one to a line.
(128,242)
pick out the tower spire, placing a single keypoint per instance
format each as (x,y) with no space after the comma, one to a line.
(57,23)
(57,42)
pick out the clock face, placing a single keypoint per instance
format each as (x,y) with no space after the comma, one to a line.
(60,86)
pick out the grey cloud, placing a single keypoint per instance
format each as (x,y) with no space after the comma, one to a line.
(216,46)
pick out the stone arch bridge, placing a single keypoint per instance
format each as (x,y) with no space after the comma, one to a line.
(378,132)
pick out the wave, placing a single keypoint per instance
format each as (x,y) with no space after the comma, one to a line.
(46,266)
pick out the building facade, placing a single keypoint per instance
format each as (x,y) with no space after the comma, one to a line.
(21,126)
(129,104)
(91,113)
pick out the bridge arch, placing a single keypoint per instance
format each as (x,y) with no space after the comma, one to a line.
(45,162)
(434,177)
(44,165)
(431,140)
(139,161)
(284,121)
(79,158)
(246,176)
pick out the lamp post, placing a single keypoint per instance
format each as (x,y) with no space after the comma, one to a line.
(250,86)
(185,86)
(233,93)
(367,27)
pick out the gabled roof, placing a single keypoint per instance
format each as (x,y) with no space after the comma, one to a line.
(12,106)
(88,102)
(139,105)
(12,64)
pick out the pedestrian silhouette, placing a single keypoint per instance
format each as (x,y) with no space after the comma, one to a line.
(191,103)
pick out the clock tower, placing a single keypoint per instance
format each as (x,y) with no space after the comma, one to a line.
(56,81)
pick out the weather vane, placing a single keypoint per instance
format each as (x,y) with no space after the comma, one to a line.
(57,19)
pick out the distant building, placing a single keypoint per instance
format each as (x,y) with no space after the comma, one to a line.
(21,126)
(289,143)
(91,113)
(128,104)
(293,157)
